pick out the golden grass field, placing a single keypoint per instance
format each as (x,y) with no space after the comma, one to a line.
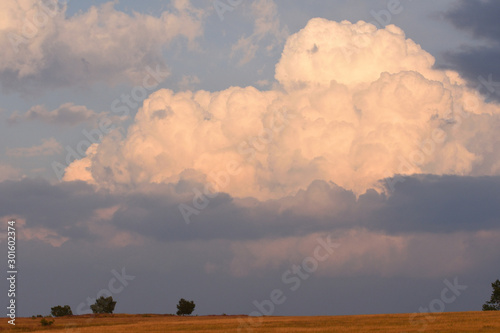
(440,322)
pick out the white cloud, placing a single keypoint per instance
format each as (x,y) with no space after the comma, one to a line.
(81,169)
(45,48)
(360,105)
(349,54)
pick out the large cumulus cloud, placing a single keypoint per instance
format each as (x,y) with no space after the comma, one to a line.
(354,105)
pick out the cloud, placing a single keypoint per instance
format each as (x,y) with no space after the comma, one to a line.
(67,114)
(320,208)
(40,205)
(355,105)
(480,17)
(362,252)
(38,233)
(267,30)
(47,148)
(262,83)
(349,54)
(427,228)
(43,48)
(420,205)
(8,172)
(440,195)
(291,164)
(188,82)
(478,64)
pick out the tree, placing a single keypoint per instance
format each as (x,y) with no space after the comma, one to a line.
(494,303)
(185,307)
(103,305)
(60,311)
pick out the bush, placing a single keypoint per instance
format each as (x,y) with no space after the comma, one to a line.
(60,311)
(103,305)
(46,322)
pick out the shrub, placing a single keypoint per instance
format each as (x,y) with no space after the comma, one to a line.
(60,311)
(46,322)
(103,305)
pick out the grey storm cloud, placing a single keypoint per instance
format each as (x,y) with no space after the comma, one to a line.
(480,17)
(478,63)
(179,258)
(426,203)
(59,207)
(436,204)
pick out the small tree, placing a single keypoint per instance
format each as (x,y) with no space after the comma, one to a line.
(185,307)
(103,305)
(60,311)
(494,303)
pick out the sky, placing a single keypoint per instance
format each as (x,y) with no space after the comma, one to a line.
(258,157)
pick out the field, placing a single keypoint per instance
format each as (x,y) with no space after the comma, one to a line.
(439,322)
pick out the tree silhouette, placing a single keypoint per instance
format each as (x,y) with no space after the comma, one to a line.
(185,307)
(103,305)
(60,311)
(494,303)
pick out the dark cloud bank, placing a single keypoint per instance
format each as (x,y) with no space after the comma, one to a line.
(171,262)
(425,203)
(477,64)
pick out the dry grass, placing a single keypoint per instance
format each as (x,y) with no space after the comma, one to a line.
(440,322)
